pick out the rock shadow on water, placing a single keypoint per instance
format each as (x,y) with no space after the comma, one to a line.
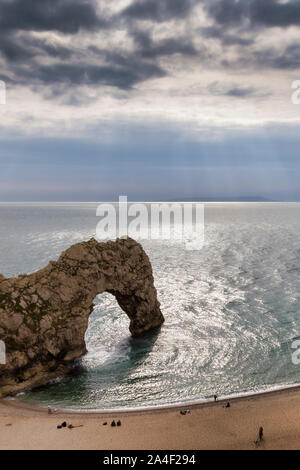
(128,355)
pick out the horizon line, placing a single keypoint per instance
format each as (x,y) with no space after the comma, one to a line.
(156,202)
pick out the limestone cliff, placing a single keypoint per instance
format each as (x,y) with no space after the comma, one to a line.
(44,315)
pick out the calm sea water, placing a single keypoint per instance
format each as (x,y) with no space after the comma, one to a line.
(232,309)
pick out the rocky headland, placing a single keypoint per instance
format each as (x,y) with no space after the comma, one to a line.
(44,315)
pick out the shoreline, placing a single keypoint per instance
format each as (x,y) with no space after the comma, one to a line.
(197,403)
(206,425)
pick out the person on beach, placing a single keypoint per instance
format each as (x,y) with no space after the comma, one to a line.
(260,436)
(215,397)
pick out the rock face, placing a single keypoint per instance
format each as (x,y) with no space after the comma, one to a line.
(44,315)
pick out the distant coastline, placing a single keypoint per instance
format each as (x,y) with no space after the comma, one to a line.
(225,199)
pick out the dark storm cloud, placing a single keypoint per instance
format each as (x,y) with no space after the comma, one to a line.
(274,13)
(147,48)
(40,46)
(21,49)
(240,92)
(237,22)
(228,12)
(32,59)
(288,59)
(88,74)
(227,39)
(12,50)
(233,91)
(256,12)
(161,10)
(66,16)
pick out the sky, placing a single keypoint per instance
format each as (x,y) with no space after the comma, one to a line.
(153,99)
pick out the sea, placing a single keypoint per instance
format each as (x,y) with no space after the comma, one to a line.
(232,308)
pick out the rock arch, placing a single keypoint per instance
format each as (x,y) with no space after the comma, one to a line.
(44,315)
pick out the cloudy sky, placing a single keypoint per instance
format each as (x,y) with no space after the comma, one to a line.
(156,99)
